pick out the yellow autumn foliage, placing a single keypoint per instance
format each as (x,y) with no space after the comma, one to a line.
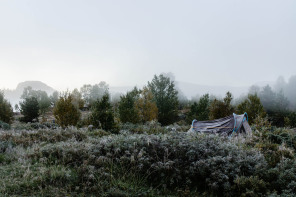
(145,106)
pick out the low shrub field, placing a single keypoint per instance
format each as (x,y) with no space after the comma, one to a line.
(145,160)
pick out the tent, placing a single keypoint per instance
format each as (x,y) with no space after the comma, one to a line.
(228,125)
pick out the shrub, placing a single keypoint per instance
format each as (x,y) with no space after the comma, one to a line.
(4,125)
(65,111)
(220,109)
(28,138)
(253,107)
(200,110)
(203,162)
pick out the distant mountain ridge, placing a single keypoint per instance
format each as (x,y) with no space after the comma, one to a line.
(36,85)
(14,95)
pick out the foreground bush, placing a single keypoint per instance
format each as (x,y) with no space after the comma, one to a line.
(75,162)
(203,163)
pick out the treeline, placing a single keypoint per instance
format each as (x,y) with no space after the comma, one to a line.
(158,100)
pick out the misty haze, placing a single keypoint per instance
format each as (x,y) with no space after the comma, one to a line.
(147,98)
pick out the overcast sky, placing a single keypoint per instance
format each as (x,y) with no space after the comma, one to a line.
(68,43)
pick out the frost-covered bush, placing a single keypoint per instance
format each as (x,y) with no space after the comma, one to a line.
(204,162)
(274,143)
(151,127)
(4,126)
(30,137)
(84,162)
(34,126)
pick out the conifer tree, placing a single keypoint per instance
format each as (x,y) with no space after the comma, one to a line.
(166,98)
(252,105)
(65,112)
(29,109)
(220,109)
(127,110)
(6,112)
(102,115)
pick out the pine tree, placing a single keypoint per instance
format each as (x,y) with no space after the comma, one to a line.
(220,109)
(102,115)
(127,110)
(44,101)
(6,112)
(29,109)
(166,98)
(200,110)
(252,105)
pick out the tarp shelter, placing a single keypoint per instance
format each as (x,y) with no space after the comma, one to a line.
(228,125)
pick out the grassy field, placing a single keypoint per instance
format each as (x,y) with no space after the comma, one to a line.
(145,160)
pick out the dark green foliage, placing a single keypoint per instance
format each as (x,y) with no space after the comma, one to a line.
(275,144)
(220,109)
(166,98)
(65,112)
(193,113)
(250,186)
(127,110)
(6,112)
(200,110)
(286,176)
(102,115)
(292,119)
(252,106)
(29,109)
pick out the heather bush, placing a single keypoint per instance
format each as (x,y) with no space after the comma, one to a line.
(151,127)
(4,126)
(165,162)
(30,137)
(275,144)
(34,126)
